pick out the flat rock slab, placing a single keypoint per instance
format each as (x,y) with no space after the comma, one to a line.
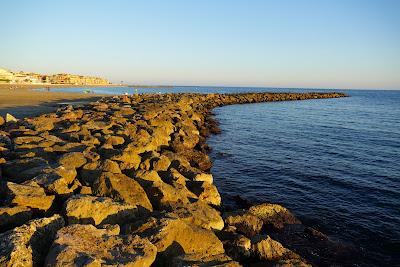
(84,209)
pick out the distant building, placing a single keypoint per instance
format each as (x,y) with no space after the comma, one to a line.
(24,77)
(63,78)
(6,76)
(21,77)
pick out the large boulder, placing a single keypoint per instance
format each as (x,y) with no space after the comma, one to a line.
(273,214)
(86,209)
(265,248)
(121,188)
(174,237)
(58,180)
(248,224)
(27,245)
(161,194)
(84,245)
(31,196)
(200,214)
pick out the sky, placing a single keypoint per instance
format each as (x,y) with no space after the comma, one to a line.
(285,43)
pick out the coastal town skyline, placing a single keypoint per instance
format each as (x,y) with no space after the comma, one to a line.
(341,44)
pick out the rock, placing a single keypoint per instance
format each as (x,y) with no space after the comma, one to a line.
(115,140)
(57,181)
(27,196)
(42,123)
(239,248)
(10,118)
(84,245)
(140,153)
(68,147)
(200,214)
(73,159)
(161,194)
(128,156)
(121,188)
(90,172)
(84,209)
(97,125)
(174,237)
(197,159)
(248,224)
(14,216)
(90,153)
(265,248)
(19,171)
(274,214)
(28,244)
(198,260)
(206,192)
(173,176)
(27,139)
(204,177)
(85,190)
(161,163)
(112,229)
(72,128)
(72,115)
(110,166)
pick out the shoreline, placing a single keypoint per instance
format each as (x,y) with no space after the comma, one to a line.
(22,101)
(146,156)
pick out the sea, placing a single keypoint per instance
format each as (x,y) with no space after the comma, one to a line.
(335,163)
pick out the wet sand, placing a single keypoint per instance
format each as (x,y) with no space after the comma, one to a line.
(21,101)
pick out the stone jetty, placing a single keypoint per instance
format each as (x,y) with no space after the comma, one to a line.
(125,181)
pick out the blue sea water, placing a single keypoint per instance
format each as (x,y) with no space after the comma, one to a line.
(334,162)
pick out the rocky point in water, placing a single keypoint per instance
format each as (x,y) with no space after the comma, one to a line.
(126,181)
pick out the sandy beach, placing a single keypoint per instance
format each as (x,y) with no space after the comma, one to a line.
(21,101)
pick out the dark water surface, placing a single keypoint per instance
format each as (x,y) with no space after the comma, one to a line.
(334,162)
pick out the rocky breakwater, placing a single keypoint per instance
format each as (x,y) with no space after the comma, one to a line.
(126,181)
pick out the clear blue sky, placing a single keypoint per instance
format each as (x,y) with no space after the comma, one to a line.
(281,43)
